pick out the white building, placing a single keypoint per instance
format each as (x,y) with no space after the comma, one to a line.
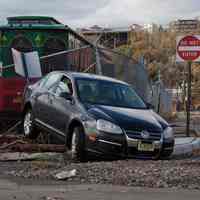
(151,28)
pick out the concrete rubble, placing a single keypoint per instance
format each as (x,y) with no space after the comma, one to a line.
(66,174)
(181,171)
(19,156)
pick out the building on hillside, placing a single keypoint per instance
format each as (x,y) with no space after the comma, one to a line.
(109,37)
(184,25)
(137,27)
(115,37)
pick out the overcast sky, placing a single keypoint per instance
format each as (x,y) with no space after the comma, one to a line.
(84,13)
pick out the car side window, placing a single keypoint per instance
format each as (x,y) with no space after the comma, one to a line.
(50,80)
(64,85)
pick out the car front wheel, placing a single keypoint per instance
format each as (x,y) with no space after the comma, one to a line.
(29,128)
(78,145)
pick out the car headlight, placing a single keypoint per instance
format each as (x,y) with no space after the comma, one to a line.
(168,133)
(106,126)
(90,125)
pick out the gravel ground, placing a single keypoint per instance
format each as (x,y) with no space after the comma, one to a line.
(139,173)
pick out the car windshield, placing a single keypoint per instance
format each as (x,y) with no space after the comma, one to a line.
(108,93)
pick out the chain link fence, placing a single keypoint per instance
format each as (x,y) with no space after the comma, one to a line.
(80,60)
(124,68)
(100,61)
(112,64)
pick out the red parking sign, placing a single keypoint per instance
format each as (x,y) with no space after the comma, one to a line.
(188,48)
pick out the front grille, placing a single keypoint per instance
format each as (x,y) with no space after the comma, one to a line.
(137,135)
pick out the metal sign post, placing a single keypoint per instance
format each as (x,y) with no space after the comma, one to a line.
(188,50)
(188,107)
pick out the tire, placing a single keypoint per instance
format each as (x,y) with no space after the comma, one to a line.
(28,126)
(78,152)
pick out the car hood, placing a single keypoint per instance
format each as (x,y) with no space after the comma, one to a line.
(128,118)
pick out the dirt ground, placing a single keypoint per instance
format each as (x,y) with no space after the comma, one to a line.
(137,173)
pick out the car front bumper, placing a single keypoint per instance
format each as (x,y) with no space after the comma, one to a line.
(113,145)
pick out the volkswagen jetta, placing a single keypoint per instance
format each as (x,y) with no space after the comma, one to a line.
(95,114)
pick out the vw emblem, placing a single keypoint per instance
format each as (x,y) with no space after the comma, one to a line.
(145,134)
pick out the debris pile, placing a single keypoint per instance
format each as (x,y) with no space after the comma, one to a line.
(12,143)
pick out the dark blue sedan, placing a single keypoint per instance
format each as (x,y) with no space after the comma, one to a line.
(95,114)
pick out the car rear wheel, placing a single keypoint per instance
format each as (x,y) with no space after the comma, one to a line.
(78,145)
(29,128)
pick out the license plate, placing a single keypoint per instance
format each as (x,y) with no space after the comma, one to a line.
(145,146)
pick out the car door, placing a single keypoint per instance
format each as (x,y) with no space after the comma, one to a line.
(42,102)
(60,108)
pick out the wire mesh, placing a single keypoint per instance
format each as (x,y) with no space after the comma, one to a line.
(112,64)
(78,60)
(124,68)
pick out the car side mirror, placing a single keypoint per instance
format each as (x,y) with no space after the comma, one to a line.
(66,96)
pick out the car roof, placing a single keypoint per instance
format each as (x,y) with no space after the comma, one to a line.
(79,75)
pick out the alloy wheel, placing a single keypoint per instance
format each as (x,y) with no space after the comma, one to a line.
(27,123)
(74,145)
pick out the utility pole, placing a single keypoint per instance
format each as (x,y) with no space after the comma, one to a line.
(159,89)
(98,61)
